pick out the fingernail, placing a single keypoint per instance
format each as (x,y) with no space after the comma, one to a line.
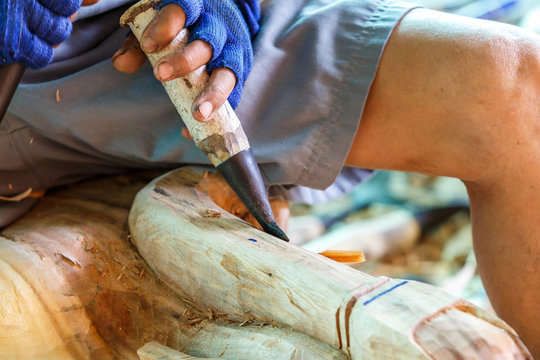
(149,45)
(120,52)
(206,109)
(165,71)
(185,133)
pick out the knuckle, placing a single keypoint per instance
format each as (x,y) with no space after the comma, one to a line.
(188,60)
(220,91)
(165,32)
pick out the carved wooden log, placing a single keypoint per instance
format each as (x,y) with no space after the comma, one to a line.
(72,286)
(223,264)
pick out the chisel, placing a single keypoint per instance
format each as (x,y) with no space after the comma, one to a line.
(10,76)
(221,138)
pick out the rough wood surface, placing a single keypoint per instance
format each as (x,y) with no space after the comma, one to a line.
(155,351)
(72,286)
(229,267)
(222,136)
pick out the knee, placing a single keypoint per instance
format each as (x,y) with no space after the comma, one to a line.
(508,104)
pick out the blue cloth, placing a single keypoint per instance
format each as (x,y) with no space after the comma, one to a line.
(30,28)
(227,26)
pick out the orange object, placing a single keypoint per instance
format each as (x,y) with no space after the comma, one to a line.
(344,256)
(37,194)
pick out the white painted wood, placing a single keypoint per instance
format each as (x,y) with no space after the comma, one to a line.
(226,265)
(222,136)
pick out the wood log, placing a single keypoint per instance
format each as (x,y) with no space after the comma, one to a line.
(155,351)
(72,286)
(225,265)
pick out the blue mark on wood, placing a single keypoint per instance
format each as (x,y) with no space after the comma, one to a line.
(252,240)
(385,292)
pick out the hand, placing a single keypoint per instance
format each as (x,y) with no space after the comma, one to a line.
(29,29)
(220,36)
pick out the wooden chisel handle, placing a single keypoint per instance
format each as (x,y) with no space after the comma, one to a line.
(219,138)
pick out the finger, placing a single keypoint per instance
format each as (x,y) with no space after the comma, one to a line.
(190,58)
(217,90)
(63,8)
(208,29)
(40,54)
(129,58)
(186,133)
(48,25)
(73,16)
(163,28)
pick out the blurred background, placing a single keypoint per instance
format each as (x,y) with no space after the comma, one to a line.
(411,226)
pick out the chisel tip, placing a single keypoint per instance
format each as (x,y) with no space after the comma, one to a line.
(274,229)
(243,175)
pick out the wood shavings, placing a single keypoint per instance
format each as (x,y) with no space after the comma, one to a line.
(195,321)
(88,246)
(36,194)
(31,140)
(17,198)
(70,259)
(57,95)
(344,256)
(212,213)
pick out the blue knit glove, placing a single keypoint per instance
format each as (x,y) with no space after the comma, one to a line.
(30,28)
(227,26)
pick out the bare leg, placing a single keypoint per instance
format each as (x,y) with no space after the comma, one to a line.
(459,97)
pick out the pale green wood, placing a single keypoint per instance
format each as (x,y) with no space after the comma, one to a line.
(226,265)
(72,286)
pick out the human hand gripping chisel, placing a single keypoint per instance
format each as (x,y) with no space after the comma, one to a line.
(221,138)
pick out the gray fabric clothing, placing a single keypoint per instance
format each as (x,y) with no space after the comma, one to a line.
(314,63)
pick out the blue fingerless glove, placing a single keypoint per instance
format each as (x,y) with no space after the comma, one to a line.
(228,26)
(30,28)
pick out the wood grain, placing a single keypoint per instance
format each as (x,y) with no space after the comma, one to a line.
(72,286)
(226,265)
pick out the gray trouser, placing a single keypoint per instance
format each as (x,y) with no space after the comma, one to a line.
(314,63)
